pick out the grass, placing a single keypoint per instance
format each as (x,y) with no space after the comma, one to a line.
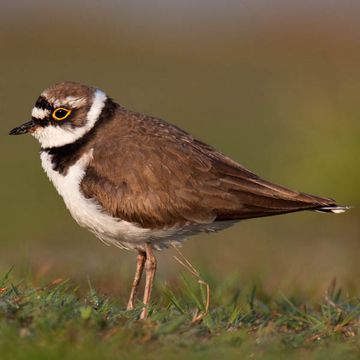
(57,321)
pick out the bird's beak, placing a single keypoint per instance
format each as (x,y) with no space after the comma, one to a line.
(24,128)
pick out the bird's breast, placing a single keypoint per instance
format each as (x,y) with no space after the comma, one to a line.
(89,214)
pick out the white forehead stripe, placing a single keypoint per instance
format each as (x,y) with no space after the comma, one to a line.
(40,114)
(55,136)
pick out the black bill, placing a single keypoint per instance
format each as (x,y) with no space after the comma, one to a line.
(24,128)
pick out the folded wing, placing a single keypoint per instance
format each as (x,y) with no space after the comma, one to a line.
(165,177)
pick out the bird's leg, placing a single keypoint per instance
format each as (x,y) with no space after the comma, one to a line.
(140,262)
(150,269)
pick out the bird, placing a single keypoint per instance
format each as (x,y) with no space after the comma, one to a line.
(143,184)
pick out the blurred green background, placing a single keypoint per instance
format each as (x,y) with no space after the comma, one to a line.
(273,84)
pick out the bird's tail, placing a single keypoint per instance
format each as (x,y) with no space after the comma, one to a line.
(336,209)
(259,198)
(253,197)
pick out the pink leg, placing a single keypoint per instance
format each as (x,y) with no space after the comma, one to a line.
(140,262)
(150,269)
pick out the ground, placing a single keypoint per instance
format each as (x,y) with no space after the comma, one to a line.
(59,321)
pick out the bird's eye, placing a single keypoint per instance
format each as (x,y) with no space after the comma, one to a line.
(60,114)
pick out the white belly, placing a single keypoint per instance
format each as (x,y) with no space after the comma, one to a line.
(89,214)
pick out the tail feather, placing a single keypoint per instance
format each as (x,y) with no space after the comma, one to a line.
(256,197)
(336,209)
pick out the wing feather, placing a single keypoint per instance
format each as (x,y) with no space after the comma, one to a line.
(156,175)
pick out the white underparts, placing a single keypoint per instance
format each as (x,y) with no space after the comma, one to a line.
(55,136)
(89,214)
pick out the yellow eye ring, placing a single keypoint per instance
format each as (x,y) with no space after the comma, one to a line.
(60,113)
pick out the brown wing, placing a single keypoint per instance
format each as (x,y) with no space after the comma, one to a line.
(154,174)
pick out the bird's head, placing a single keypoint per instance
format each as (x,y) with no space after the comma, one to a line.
(63,113)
